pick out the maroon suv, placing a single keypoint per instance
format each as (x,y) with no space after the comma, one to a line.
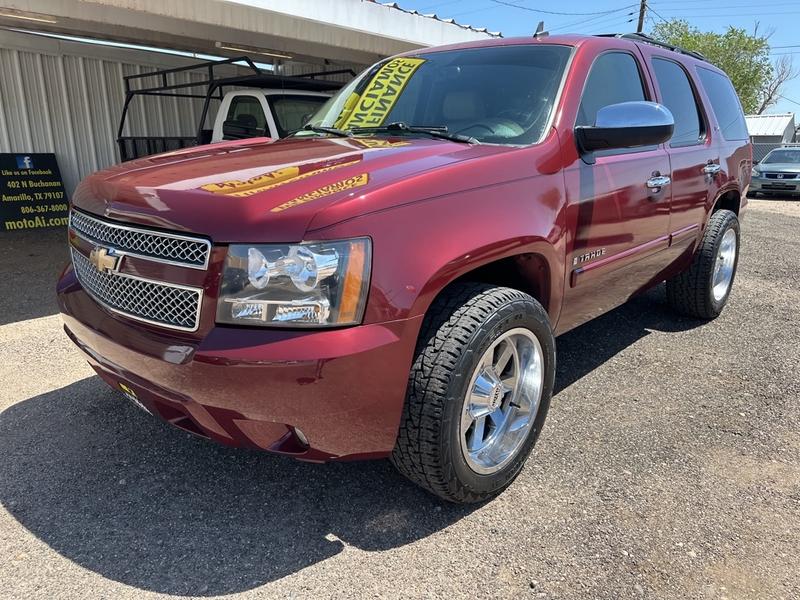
(389,280)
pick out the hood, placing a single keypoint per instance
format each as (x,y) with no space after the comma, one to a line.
(260,191)
(778,168)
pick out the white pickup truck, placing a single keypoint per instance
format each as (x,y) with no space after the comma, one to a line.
(254,104)
(272,113)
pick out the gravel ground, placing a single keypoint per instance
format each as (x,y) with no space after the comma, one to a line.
(669,468)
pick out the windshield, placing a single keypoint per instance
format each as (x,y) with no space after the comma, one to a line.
(292,111)
(783,156)
(499,94)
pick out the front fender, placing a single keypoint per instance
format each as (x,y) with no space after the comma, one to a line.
(419,248)
(463,264)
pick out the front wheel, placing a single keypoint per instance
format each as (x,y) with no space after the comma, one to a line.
(478,392)
(703,289)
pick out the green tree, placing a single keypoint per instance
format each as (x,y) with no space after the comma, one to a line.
(743,56)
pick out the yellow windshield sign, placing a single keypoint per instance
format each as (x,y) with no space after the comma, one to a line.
(372,106)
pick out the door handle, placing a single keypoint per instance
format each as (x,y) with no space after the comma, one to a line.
(712,169)
(656,182)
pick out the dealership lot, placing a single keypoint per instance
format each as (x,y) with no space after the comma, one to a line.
(669,467)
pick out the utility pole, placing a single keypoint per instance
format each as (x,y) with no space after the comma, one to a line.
(642,9)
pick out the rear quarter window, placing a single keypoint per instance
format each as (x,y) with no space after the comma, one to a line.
(725,104)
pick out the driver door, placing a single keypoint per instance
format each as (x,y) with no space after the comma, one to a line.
(618,219)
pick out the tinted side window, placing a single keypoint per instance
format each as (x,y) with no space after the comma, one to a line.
(678,97)
(246,112)
(725,104)
(614,78)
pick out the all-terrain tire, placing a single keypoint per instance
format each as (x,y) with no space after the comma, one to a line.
(692,292)
(460,326)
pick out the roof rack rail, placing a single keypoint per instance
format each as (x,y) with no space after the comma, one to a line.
(209,85)
(155,83)
(646,39)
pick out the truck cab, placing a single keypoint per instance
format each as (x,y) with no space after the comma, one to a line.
(272,113)
(224,100)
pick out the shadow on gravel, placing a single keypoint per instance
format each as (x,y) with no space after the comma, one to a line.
(124,495)
(582,350)
(30,262)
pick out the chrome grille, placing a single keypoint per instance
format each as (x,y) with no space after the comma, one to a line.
(156,245)
(162,304)
(781,175)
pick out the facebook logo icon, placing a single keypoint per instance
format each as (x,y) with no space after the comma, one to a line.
(24,162)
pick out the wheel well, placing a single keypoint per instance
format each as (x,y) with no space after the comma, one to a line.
(527,273)
(728,201)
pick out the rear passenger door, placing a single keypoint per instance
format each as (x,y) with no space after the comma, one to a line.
(619,223)
(694,157)
(729,130)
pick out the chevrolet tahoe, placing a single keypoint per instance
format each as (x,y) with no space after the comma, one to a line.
(390,280)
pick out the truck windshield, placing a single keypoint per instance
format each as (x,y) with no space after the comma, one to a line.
(292,111)
(496,95)
(783,156)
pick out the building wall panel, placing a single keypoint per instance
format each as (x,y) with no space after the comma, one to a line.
(67,97)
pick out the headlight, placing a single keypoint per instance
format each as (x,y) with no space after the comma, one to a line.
(754,173)
(299,285)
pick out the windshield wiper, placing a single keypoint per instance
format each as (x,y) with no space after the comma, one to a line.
(320,129)
(437,131)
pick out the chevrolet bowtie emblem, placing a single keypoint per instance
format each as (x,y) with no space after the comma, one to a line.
(103,260)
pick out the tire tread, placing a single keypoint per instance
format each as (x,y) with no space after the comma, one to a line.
(450,324)
(689,292)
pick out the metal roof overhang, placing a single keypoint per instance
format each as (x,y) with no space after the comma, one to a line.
(318,32)
(769,124)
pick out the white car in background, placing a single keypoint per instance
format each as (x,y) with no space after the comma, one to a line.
(778,173)
(272,113)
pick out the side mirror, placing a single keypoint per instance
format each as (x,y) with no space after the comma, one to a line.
(626,125)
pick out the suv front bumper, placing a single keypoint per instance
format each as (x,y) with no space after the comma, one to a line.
(343,389)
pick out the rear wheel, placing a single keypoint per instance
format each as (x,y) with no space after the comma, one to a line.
(703,289)
(478,392)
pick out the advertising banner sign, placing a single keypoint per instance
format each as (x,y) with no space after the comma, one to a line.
(32,193)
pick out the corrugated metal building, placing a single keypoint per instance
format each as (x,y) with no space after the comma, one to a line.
(774,128)
(66,97)
(770,131)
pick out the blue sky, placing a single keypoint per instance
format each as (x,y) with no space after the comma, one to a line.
(782,17)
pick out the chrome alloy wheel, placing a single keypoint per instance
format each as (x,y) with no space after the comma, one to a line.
(502,401)
(723,267)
